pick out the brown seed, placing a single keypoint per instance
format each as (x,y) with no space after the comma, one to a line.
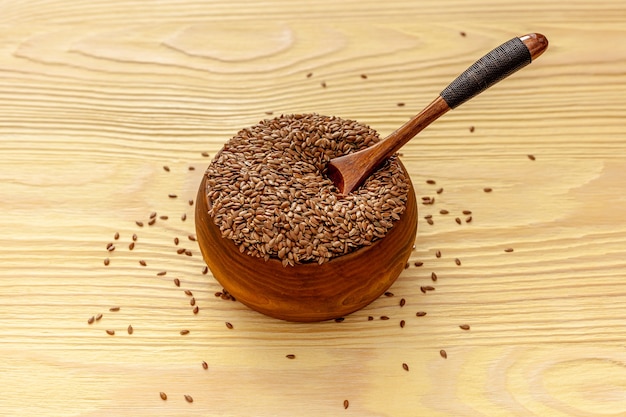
(176,241)
(142,263)
(190,202)
(160,274)
(134,237)
(131,246)
(196,309)
(110,247)
(114,309)
(139,223)
(420,313)
(405,367)
(180,251)
(471,129)
(107,261)
(384,317)
(192,237)
(457,220)
(487,189)
(172,196)
(153,215)
(430,221)
(346,404)
(438,254)
(402,302)
(370,318)
(388,294)
(189,293)
(90,320)
(163,217)
(433,276)
(443,354)
(439,190)
(192,302)
(431,182)
(184,332)
(188,253)
(400,104)
(457,261)
(463,34)
(205,270)
(443,212)
(339,319)
(183,217)
(290,356)
(406,265)
(467,212)
(205,154)
(465,326)
(323,84)
(364,76)
(309,75)
(163,395)
(98,316)
(402,323)
(418,263)
(166,168)
(110,332)
(468,219)
(531,157)
(509,250)
(130,329)
(152,222)
(177,282)
(188,398)
(205,365)
(229,325)
(116,236)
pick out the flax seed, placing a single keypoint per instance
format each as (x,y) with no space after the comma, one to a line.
(346,404)
(192,238)
(139,223)
(177,282)
(205,365)
(188,398)
(130,329)
(191,168)
(189,293)
(134,237)
(192,302)
(116,236)
(405,367)
(509,250)
(107,261)
(205,270)
(443,212)
(196,309)
(438,254)
(432,182)
(443,354)
(166,168)
(143,263)
(190,202)
(418,263)
(153,215)
(110,332)
(402,323)
(420,313)
(163,217)
(160,274)
(323,84)
(172,196)
(487,189)
(458,220)
(183,217)
(468,219)
(400,104)
(388,294)
(384,317)
(98,316)
(364,76)
(402,302)
(114,309)
(471,129)
(176,241)
(433,276)
(430,221)
(131,246)
(163,395)
(180,251)
(457,261)
(229,325)
(439,190)
(151,222)
(467,212)
(290,356)
(90,320)
(339,319)
(464,326)
(205,154)
(531,157)
(184,332)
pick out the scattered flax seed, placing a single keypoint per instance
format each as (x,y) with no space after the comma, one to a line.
(190,202)
(439,190)
(457,261)
(468,219)
(191,168)
(430,221)
(134,237)
(142,263)
(309,75)
(384,317)
(428,216)
(426,288)
(196,309)
(402,323)
(163,217)
(160,274)
(151,222)
(189,293)
(464,326)
(531,157)
(172,196)
(471,129)
(438,254)
(290,356)
(114,309)
(177,282)
(131,246)
(188,253)
(467,212)
(487,189)
(153,215)
(364,76)
(339,319)
(433,276)
(458,220)
(184,332)
(205,270)
(400,104)
(420,313)
(463,34)
(163,395)
(176,241)
(406,265)
(188,398)
(98,316)
(205,154)
(192,238)
(269,113)
(180,251)
(130,329)
(443,212)
(388,294)
(110,332)
(110,247)
(402,302)
(107,261)
(432,182)
(183,217)
(405,367)
(443,354)
(346,404)
(90,320)
(370,318)
(205,365)
(508,250)
(323,84)
(116,235)
(418,263)
(166,168)
(192,302)
(138,223)
(229,325)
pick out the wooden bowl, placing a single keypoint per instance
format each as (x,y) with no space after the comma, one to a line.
(307,292)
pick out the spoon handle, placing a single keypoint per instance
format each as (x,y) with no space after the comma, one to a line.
(498,64)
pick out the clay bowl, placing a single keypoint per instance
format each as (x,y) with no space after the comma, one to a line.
(307,292)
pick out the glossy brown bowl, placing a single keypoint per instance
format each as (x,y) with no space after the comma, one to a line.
(307,292)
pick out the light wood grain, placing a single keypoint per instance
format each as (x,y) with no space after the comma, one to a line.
(95,97)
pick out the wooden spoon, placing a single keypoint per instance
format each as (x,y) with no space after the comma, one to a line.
(349,171)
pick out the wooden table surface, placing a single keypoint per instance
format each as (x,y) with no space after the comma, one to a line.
(96,98)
